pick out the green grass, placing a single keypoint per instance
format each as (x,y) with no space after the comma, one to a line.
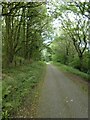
(18,83)
(72,70)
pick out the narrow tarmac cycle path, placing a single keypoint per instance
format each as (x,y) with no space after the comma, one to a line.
(61,97)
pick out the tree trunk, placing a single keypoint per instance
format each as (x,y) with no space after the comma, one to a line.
(81,62)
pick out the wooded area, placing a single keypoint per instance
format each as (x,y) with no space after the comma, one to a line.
(72,45)
(25,26)
(22,28)
(30,38)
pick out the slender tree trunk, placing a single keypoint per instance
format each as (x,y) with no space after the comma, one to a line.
(9,53)
(7,43)
(81,62)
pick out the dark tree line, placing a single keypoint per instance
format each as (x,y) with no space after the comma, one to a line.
(22,26)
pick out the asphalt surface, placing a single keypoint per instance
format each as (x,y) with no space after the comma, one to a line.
(60,97)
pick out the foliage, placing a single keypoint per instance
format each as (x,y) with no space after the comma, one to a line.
(18,83)
(73,40)
(72,70)
(28,35)
(23,24)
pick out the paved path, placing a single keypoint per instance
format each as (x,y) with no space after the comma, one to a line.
(61,97)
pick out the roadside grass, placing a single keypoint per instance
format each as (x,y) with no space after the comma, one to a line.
(18,83)
(70,69)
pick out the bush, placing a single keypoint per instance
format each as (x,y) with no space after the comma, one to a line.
(75,63)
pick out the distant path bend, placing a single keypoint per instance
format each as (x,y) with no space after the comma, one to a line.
(61,97)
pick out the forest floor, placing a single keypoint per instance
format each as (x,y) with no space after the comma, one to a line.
(19,89)
(62,95)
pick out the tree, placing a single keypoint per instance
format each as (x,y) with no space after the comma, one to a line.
(77,27)
(24,24)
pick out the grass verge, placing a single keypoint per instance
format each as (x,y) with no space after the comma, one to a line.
(18,87)
(69,69)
